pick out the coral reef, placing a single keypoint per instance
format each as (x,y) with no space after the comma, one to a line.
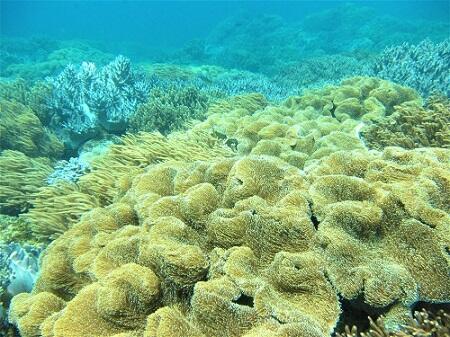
(18,273)
(20,178)
(36,58)
(425,323)
(169,109)
(308,127)
(359,98)
(384,227)
(33,96)
(21,130)
(424,67)
(85,100)
(57,207)
(319,71)
(229,242)
(412,126)
(250,246)
(348,28)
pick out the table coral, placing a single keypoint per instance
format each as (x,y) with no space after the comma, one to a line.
(412,126)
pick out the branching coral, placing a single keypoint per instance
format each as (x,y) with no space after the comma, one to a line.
(412,125)
(22,131)
(20,178)
(85,99)
(425,66)
(169,109)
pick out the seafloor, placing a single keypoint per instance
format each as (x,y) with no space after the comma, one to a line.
(226,189)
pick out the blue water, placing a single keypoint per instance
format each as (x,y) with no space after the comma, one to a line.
(156,25)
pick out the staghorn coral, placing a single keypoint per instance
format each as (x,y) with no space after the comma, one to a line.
(22,131)
(384,227)
(411,126)
(424,67)
(85,100)
(169,109)
(20,178)
(222,249)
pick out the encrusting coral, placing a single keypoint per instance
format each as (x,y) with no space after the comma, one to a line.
(412,126)
(250,247)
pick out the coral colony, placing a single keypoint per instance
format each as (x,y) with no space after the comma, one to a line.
(298,190)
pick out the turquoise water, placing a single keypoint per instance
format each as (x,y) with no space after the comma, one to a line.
(224,168)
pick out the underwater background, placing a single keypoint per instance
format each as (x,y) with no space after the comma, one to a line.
(224,168)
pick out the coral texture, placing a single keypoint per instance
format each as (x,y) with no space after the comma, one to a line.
(384,227)
(425,66)
(250,247)
(21,130)
(86,99)
(57,207)
(169,109)
(308,127)
(20,178)
(412,125)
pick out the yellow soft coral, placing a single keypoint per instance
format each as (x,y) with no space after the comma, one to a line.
(21,130)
